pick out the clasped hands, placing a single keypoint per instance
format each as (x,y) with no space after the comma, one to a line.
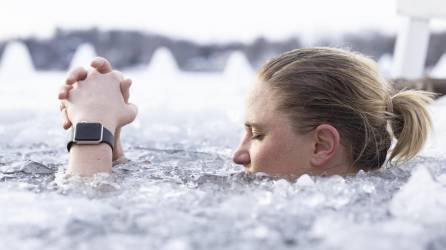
(98,95)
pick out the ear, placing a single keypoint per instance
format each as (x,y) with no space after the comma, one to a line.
(326,144)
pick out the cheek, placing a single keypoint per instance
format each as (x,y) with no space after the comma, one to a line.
(268,155)
(279,155)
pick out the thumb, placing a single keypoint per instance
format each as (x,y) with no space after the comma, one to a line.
(102,65)
(125,89)
(67,123)
(131,112)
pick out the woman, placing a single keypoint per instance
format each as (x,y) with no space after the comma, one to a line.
(318,111)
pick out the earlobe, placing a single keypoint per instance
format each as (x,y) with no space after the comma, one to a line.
(326,144)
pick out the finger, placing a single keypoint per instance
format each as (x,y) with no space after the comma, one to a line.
(64,91)
(133,109)
(131,113)
(102,65)
(125,89)
(61,106)
(118,74)
(67,123)
(77,74)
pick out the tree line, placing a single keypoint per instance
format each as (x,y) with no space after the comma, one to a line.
(128,48)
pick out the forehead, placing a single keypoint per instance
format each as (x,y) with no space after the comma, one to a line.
(261,103)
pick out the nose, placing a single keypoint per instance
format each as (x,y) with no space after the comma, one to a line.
(241,156)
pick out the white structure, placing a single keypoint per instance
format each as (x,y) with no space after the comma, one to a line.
(83,56)
(237,64)
(163,62)
(412,42)
(16,59)
(439,71)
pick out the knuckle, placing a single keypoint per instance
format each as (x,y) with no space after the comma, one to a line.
(93,74)
(76,71)
(117,75)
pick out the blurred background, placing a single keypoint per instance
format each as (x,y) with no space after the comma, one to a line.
(192,63)
(200,35)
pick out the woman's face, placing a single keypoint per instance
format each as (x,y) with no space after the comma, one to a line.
(269,143)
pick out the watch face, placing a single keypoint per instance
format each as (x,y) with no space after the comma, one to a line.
(88,132)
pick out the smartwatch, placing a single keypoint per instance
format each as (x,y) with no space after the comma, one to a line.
(90,133)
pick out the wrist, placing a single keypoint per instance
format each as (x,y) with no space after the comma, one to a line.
(87,160)
(90,133)
(118,151)
(107,123)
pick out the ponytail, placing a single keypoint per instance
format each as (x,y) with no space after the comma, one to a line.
(410,122)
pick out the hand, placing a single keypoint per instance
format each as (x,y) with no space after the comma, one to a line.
(103,66)
(75,76)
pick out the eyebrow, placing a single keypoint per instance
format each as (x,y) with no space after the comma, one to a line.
(253,124)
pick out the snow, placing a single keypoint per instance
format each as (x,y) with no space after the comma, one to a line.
(83,55)
(237,64)
(163,62)
(16,60)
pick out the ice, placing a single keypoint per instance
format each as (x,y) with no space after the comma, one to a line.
(345,234)
(180,189)
(28,167)
(421,199)
(439,70)
(16,60)
(83,56)
(177,244)
(304,181)
(435,145)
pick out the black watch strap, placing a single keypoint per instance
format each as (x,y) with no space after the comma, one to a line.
(107,137)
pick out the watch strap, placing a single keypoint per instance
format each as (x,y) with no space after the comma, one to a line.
(107,137)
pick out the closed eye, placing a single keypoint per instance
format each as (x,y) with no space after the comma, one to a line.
(257,134)
(257,137)
(254,131)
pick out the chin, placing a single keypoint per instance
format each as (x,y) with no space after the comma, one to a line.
(251,170)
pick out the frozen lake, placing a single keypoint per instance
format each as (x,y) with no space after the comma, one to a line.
(181,190)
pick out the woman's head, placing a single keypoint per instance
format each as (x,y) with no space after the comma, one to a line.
(325,110)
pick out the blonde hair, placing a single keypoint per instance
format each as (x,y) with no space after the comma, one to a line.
(345,90)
